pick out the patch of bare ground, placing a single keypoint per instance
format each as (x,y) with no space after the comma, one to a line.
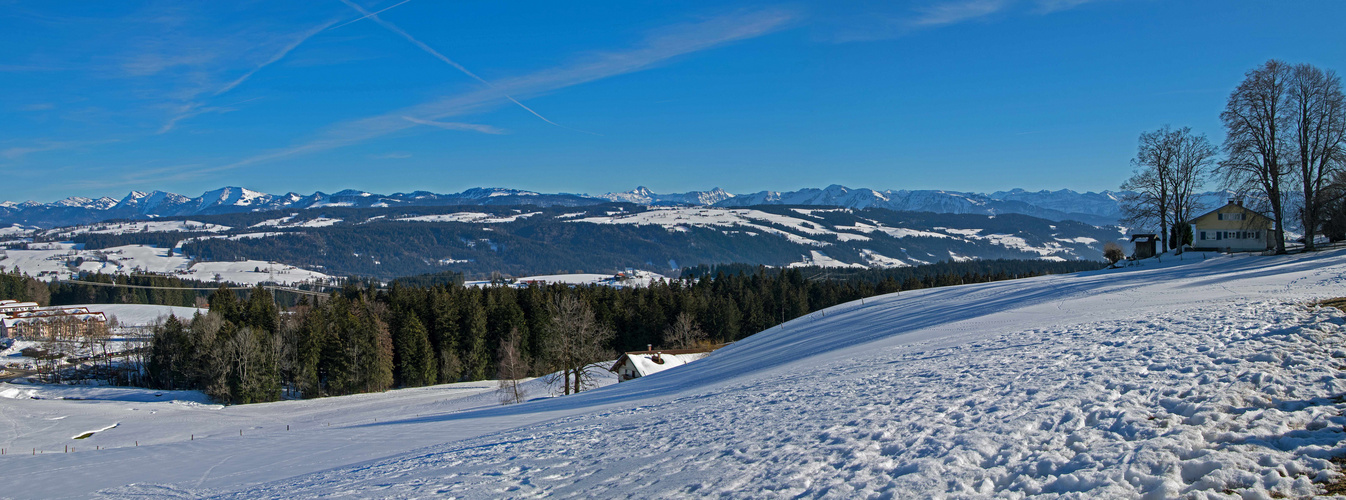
(1337,487)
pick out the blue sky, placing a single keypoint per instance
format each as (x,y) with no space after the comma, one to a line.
(100,98)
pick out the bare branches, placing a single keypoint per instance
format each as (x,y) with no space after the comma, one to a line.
(578,340)
(1171,168)
(683,333)
(512,367)
(1255,124)
(1317,118)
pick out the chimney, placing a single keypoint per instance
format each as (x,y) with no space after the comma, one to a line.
(649,347)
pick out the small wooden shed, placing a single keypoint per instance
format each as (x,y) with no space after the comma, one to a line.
(1147,245)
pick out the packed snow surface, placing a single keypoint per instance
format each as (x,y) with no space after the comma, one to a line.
(1200,377)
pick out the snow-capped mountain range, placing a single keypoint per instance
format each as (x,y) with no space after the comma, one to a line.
(1097,208)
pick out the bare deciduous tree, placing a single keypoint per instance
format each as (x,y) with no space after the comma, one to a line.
(683,333)
(1317,113)
(1193,158)
(1171,166)
(577,341)
(1256,142)
(511,368)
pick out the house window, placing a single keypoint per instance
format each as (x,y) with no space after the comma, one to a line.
(1230,216)
(1203,235)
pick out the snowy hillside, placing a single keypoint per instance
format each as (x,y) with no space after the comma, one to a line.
(394,242)
(1206,375)
(65,260)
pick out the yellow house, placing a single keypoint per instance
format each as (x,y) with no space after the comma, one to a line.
(1232,228)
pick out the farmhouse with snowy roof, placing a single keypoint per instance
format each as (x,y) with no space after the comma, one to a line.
(1232,228)
(636,364)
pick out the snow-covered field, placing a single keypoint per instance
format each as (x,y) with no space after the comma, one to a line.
(141,314)
(470,217)
(637,278)
(58,259)
(1201,377)
(136,227)
(757,221)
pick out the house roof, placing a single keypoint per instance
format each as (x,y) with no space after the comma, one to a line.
(643,361)
(1234,204)
(645,364)
(83,317)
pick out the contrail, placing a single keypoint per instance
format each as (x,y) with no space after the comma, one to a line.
(485,129)
(446,60)
(361,18)
(307,35)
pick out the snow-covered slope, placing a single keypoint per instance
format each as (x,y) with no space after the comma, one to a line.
(65,260)
(1194,377)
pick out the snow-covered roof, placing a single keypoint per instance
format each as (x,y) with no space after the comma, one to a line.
(10,304)
(655,361)
(83,317)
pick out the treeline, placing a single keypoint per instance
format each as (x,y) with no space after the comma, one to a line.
(162,290)
(118,289)
(367,339)
(99,241)
(15,286)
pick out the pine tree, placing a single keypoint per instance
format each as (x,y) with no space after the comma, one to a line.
(416,361)
(473,350)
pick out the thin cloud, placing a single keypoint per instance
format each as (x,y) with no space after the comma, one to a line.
(16,153)
(1050,6)
(944,14)
(396,155)
(485,129)
(140,176)
(27,68)
(189,110)
(367,16)
(275,57)
(869,25)
(659,48)
(441,57)
(193,109)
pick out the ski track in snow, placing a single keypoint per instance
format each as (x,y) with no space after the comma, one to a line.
(1201,378)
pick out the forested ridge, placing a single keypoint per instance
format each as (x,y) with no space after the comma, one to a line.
(549,240)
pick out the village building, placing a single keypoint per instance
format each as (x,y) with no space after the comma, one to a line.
(8,306)
(635,364)
(1232,228)
(26,320)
